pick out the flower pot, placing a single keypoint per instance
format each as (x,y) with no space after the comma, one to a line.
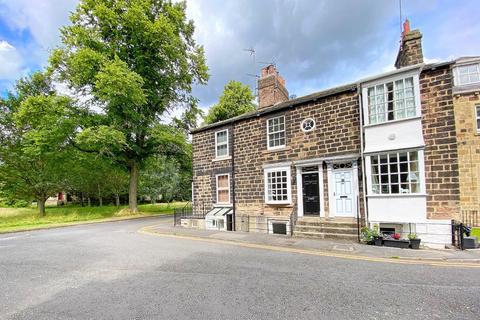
(379,241)
(396,243)
(415,243)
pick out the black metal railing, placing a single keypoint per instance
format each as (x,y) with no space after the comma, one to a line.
(196,211)
(458,230)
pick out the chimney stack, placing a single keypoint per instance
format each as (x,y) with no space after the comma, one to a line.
(271,88)
(410,52)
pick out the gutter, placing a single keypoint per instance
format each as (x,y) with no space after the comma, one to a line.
(362,155)
(233,179)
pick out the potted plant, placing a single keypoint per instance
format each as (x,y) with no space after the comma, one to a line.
(395,241)
(372,236)
(414,241)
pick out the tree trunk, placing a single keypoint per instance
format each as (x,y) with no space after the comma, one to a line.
(100,201)
(117,200)
(41,206)
(83,199)
(89,201)
(132,190)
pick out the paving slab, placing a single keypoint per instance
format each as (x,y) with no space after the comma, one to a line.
(338,246)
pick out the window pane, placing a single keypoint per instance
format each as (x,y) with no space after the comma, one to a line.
(223,181)
(223,196)
(221,137)
(222,150)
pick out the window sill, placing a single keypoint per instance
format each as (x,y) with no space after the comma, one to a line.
(222,205)
(392,121)
(221,159)
(282,203)
(398,195)
(280,149)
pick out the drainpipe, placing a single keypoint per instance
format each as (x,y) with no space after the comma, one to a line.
(233,178)
(364,176)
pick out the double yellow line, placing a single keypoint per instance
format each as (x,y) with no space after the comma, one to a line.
(149,231)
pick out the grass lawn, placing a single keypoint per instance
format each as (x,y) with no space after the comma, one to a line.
(476,232)
(14,219)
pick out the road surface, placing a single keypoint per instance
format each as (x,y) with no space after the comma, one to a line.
(110,271)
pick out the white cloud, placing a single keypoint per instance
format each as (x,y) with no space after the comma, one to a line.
(41,18)
(11,64)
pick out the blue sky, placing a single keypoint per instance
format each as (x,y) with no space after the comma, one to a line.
(316,44)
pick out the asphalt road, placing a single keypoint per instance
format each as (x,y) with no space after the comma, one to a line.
(110,271)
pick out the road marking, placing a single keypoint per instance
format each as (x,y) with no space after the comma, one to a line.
(148,230)
(13,237)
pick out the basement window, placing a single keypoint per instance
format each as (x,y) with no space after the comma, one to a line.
(276,133)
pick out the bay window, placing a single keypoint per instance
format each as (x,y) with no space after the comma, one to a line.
(393,100)
(277,185)
(396,173)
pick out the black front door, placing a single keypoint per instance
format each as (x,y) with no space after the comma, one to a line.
(311,195)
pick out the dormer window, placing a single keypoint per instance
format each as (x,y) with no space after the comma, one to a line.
(467,74)
(221,144)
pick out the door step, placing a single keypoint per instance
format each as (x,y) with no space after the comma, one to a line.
(320,228)
(324,235)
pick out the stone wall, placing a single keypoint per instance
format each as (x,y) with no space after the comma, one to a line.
(468,150)
(337,132)
(441,157)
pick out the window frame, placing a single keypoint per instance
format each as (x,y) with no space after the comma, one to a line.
(217,189)
(456,74)
(223,143)
(421,173)
(284,133)
(392,79)
(477,117)
(288,171)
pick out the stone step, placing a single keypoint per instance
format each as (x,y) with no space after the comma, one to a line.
(324,235)
(326,229)
(333,224)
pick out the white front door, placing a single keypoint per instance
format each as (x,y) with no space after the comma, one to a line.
(343,193)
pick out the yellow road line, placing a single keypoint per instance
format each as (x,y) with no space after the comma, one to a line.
(149,231)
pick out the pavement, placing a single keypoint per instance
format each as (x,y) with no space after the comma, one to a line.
(337,248)
(124,270)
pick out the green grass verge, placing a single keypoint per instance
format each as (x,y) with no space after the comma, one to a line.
(16,219)
(476,232)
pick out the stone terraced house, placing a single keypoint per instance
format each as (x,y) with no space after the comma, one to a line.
(400,149)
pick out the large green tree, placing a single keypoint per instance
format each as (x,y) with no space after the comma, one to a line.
(235,100)
(35,123)
(136,60)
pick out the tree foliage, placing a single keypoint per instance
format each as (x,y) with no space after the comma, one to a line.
(235,100)
(35,122)
(137,61)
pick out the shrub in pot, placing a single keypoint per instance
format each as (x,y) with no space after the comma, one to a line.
(414,241)
(370,236)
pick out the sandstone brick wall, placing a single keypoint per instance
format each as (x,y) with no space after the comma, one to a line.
(441,157)
(337,132)
(468,150)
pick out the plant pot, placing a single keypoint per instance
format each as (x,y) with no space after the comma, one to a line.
(415,243)
(396,243)
(379,241)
